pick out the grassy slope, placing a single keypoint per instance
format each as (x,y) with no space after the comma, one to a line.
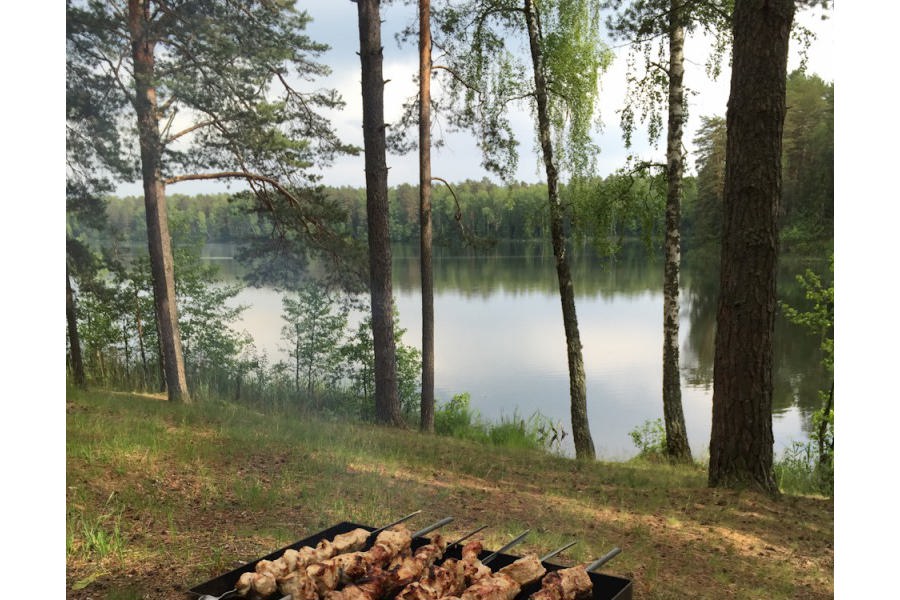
(162,497)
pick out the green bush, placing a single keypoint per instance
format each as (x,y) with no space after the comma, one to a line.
(650,439)
(456,418)
(799,471)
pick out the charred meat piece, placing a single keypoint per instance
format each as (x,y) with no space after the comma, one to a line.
(379,582)
(573,583)
(447,579)
(298,585)
(496,587)
(271,575)
(472,566)
(329,574)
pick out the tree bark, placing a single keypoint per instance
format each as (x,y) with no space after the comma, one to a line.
(741,443)
(581,433)
(387,402)
(677,447)
(425,241)
(139,325)
(158,238)
(74,340)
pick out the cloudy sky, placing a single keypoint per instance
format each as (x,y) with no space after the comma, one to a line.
(334,22)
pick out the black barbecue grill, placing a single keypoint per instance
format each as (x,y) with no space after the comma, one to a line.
(606,587)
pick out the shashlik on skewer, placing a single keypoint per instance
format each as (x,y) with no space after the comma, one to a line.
(453,576)
(506,583)
(573,583)
(293,559)
(323,564)
(381,582)
(310,582)
(468,575)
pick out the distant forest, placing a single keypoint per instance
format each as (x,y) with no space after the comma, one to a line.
(632,199)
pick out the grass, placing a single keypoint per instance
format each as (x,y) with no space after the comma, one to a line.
(161,497)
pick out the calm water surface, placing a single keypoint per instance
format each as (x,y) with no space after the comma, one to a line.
(499,337)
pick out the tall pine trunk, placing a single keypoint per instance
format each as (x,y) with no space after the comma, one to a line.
(741,443)
(581,433)
(387,402)
(425,241)
(159,241)
(677,447)
(74,340)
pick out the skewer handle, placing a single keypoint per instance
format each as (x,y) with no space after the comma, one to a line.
(397,522)
(558,550)
(603,559)
(432,527)
(506,546)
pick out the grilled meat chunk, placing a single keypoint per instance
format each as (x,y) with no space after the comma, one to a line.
(329,574)
(298,585)
(525,570)
(440,581)
(496,587)
(573,583)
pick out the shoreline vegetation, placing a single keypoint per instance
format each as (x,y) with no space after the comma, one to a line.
(162,496)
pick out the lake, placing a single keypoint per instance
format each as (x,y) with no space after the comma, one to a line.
(499,337)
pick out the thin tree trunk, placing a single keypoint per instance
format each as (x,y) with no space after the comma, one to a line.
(159,241)
(125,344)
(823,426)
(741,443)
(581,433)
(74,340)
(427,399)
(387,400)
(161,363)
(140,335)
(297,359)
(677,447)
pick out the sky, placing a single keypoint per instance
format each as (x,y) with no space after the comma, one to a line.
(334,22)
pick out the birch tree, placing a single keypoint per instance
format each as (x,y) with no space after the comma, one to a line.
(564,58)
(655,30)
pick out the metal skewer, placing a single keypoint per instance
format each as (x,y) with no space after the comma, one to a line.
(397,522)
(558,550)
(467,536)
(603,559)
(506,547)
(432,527)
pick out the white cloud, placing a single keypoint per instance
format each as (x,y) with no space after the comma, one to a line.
(335,23)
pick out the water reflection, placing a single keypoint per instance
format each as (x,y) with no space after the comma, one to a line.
(499,336)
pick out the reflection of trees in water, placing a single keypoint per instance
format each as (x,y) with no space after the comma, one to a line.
(521,267)
(529,267)
(798,374)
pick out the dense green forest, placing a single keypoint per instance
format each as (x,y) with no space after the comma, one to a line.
(485,211)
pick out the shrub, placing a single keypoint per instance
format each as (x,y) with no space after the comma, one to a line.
(457,419)
(650,439)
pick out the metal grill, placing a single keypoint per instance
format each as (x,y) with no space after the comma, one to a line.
(605,587)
